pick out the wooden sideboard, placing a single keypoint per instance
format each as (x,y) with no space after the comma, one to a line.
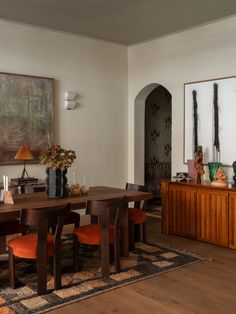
(200,211)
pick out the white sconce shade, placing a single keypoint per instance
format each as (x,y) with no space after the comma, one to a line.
(70,96)
(70,104)
(70,100)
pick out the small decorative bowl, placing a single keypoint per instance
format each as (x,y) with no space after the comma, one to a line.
(75,190)
(84,189)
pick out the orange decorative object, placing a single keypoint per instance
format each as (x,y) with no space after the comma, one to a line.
(220,178)
(75,190)
(198,165)
(7,197)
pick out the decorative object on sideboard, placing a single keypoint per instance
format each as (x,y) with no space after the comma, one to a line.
(24,154)
(70,100)
(198,164)
(57,160)
(181,177)
(191,169)
(213,167)
(195,120)
(234,169)
(220,178)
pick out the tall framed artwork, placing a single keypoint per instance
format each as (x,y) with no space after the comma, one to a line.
(26,114)
(210,119)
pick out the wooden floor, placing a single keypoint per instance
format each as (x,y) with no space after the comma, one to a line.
(205,287)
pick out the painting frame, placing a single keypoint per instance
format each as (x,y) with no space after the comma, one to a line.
(26,115)
(226,98)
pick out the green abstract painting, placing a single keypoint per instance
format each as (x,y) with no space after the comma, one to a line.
(26,114)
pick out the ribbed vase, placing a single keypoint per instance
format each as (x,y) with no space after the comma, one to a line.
(56,183)
(213,167)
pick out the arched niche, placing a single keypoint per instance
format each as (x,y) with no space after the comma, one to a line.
(139,132)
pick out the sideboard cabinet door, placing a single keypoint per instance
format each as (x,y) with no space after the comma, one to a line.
(182,211)
(232,220)
(213,216)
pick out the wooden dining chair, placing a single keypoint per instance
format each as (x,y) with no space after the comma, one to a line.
(40,245)
(104,233)
(137,216)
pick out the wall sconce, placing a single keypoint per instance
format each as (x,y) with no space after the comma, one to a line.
(70,100)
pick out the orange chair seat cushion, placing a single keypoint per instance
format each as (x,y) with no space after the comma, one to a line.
(26,246)
(137,215)
(91,234)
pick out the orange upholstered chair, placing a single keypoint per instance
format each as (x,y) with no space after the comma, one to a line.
(137,216)
(104,233)
(40,245)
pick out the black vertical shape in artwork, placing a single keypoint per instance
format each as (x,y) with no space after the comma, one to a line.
(195,121)
(216,118)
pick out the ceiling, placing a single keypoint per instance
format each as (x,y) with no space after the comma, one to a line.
(123,21)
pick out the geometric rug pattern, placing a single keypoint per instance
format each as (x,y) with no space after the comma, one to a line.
(143,262)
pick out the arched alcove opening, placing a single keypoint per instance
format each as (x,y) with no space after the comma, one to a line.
(152,138)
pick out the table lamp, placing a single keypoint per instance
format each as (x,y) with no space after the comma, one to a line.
(24,154)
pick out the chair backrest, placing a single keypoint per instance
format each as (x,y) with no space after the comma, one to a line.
(42,219)
(137,187)
(108,211)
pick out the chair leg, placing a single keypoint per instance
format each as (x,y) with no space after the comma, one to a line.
(144,233)
(112,252)
(76,246)
(137,233)
(117,255)
(57,270)
(11,268)
(131,235)
(41,274)
(51,261)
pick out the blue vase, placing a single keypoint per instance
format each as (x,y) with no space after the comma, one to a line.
(56,183)
(213,167)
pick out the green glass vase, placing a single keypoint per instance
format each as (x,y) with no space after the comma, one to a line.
(213,167)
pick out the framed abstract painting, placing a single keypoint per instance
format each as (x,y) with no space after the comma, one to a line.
(26,114)
(209,119)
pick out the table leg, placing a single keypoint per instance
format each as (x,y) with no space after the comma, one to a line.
(2,244)
(125,233)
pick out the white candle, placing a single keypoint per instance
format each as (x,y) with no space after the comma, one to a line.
(84,179)
(4,182)
(7,183)
(74,180)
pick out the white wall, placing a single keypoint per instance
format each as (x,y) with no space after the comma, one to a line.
(198,54)
(95,69)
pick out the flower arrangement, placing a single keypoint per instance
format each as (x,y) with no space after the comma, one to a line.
(56,157)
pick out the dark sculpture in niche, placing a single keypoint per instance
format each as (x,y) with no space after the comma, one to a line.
(198,164)
(234,169)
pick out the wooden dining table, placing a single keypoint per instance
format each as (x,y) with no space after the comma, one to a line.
(40,199)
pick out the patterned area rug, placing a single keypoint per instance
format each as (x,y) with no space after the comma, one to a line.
(143,262)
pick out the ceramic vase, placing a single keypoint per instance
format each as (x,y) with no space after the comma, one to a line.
(213,167)
(56,183)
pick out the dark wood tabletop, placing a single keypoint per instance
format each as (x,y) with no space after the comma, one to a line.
(40,199)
